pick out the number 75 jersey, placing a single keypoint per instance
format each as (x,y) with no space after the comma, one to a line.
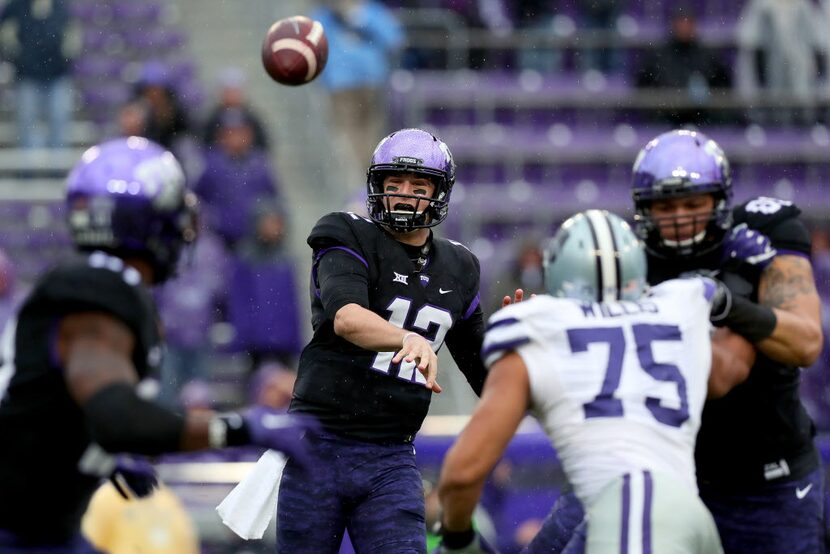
(617,386)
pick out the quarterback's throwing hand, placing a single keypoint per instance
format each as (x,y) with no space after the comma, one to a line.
(415,348)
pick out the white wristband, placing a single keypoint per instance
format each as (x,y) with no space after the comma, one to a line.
(406,336)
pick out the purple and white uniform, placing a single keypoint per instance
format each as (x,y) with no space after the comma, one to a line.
(619,388)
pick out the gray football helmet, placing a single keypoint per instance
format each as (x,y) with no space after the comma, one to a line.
(595,257)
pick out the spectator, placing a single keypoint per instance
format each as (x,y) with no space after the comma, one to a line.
(537,17)
(271,385)
(237,178)
(232,83)
(267,243)
(525,273)
(683,63)
(363,36)
(132,119)
(167,121)
(43,41)
(778,41)
(599,16)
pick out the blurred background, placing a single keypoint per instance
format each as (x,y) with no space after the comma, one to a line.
(544,103)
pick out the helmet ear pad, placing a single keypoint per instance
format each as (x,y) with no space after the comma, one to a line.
(422,154)
(128,197)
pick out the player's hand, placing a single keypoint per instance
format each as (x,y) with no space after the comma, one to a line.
(747,246)
(280,431)
(477,546)
(518,296)
(416,348)
(133,477)
(721,302)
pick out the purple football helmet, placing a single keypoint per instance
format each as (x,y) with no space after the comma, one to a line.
(410,151)
(127,196)
(678,164)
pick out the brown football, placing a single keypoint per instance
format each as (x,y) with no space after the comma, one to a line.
(295,50)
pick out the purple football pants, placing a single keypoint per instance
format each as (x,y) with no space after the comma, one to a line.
(776,518)
(563,531)
(372,490)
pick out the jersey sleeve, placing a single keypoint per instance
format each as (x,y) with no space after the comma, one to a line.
(340,279)
(518,325)
(778,220)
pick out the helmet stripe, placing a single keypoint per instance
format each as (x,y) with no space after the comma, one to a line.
(596,251)
(606,253)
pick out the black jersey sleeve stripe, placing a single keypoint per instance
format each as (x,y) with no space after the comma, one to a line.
(323,251)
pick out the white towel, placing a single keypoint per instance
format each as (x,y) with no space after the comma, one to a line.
(252,503)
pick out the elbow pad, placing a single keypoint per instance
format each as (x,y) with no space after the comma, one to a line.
(120,421)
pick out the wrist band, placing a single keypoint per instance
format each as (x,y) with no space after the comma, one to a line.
(228,429)
(754,321)
(458,539)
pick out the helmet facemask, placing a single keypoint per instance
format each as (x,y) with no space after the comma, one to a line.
(676,165)
(417,152)
(401,217)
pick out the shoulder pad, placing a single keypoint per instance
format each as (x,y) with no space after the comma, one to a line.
(340,228)
(460,249)
(764,212)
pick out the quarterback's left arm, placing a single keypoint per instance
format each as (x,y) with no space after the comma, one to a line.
(482,442)
(787,286)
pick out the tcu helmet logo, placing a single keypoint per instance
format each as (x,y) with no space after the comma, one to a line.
(766,205)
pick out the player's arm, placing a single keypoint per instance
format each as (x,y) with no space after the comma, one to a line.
(343,280)
(482,442)
(787,287)
(96,350)
(732,358)
(464,341)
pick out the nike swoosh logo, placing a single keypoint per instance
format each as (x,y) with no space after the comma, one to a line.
(801,493)
(442,291)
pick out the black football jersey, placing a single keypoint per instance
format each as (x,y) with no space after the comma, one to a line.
(43,435)
(759,431)
(361,393)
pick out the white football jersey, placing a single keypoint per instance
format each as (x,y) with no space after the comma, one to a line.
(618,386)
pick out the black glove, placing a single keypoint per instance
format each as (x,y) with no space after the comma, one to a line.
(731,307)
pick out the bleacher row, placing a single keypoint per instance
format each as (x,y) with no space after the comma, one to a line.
(119,38)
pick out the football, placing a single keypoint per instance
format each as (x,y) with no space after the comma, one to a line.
(295,50)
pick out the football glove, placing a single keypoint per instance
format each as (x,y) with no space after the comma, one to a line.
(747,246)
(133,477)
(266,427)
